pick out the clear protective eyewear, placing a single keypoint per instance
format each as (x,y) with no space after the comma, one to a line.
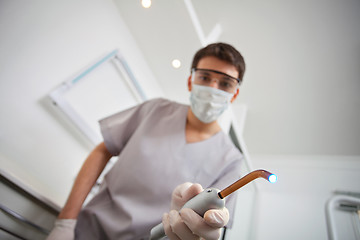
(205,77)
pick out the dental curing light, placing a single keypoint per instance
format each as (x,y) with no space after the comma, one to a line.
(212,198)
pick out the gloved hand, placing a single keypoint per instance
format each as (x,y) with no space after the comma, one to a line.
(187,224)
(63,230)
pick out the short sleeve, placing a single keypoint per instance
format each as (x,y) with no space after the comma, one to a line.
(117,129)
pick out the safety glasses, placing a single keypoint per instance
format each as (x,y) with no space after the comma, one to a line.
(206,77)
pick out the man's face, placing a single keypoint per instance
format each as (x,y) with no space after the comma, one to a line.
(222,76)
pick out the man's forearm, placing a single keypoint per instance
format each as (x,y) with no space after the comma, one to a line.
(89,173)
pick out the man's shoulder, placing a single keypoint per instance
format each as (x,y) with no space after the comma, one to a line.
(163,101)
(159,104)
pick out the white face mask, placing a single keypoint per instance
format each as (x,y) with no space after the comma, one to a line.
(208,103)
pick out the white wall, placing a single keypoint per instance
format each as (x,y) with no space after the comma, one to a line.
(303,77)
(294,207)
(42,44)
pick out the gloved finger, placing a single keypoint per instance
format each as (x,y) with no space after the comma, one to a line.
(182,193)
(198,226)
(63,230)
(176,197)
(192,191)
(179,227)
(167,228)
(217,218)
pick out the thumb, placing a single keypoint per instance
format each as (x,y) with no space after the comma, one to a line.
(217,218)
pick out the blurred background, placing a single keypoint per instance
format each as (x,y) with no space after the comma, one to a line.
(300,92)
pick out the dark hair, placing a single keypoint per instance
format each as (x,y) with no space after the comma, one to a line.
(222,51)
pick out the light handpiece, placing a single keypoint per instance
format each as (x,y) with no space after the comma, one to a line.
(212,198)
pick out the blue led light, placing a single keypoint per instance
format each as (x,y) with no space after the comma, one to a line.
(272,178)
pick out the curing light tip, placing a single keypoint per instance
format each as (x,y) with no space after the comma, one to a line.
(272,178)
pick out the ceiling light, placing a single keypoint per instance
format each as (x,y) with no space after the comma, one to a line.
(146,3)
(176,63)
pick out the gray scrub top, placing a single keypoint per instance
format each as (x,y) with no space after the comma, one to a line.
(153,158)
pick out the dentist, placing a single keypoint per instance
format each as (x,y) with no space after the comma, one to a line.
(163,148)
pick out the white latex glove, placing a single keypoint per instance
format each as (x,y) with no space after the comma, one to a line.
(187,224)
(63,230)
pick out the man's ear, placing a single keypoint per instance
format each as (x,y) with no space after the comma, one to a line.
(189,84)
(235,95)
